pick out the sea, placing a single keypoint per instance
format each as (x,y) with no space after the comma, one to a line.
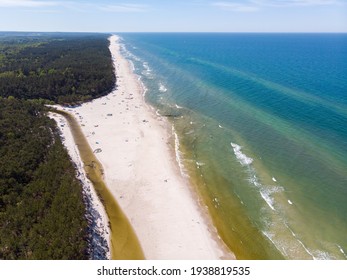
(259,125)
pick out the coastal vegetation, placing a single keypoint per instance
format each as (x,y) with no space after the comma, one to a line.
(42,215)
(64,68)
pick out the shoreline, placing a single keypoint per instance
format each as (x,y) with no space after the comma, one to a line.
(98,221)
(123,242)
(134,146)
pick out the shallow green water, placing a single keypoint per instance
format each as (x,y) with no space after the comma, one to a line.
(261,124)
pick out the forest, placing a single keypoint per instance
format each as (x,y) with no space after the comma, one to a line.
(42,212)
(41,205)
(60,67)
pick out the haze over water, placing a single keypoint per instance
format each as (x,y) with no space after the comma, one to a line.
(261,125)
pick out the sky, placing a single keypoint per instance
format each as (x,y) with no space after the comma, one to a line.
(174,15)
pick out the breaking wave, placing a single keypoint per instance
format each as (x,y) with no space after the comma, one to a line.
(243,159)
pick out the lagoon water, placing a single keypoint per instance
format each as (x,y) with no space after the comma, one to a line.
(261,131)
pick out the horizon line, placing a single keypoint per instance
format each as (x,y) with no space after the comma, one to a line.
(187,32)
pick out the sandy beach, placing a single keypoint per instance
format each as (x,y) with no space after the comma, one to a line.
(134,145)
(96,214)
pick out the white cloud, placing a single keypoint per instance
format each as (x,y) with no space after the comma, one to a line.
(291,3)
(124,8)
(83,6)
(255,5)
(26,3)
(236,7)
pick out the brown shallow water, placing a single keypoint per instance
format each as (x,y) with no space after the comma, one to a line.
(124,242)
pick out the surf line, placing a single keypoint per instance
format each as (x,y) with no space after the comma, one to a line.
(124,244)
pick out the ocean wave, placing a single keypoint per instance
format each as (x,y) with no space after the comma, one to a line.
(178,153)
(162,88)
(271,237)
(130,55)
(267,192)
(178,107)
(127,54)
(147,71)
(268,199)
(322,255)
(190,132)
(143,87)
(253,179)
(289,248)
(299,241)
(146,67)
(242,158)
(342,251)
(199,163)
(130,58)
(132,65)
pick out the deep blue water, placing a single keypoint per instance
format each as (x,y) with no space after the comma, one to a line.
(263,119)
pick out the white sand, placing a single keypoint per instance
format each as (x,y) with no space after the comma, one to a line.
(100,243)
(142,173)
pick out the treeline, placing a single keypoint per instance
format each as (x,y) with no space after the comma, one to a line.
(42,215)
(63,68)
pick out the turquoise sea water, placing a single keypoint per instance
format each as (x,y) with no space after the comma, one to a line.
(261,126)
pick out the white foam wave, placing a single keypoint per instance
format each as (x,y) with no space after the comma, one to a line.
(300,242)
(267,191)
(132,65)
(282,245)
(128,54)
(277,244)
(147,70)
(162,88)
(178,107)
(268,199)
(178,153)
(143,87)
(254,180)
(190,132)
(342,251)
(322,255)
(242,158)
(145,65)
